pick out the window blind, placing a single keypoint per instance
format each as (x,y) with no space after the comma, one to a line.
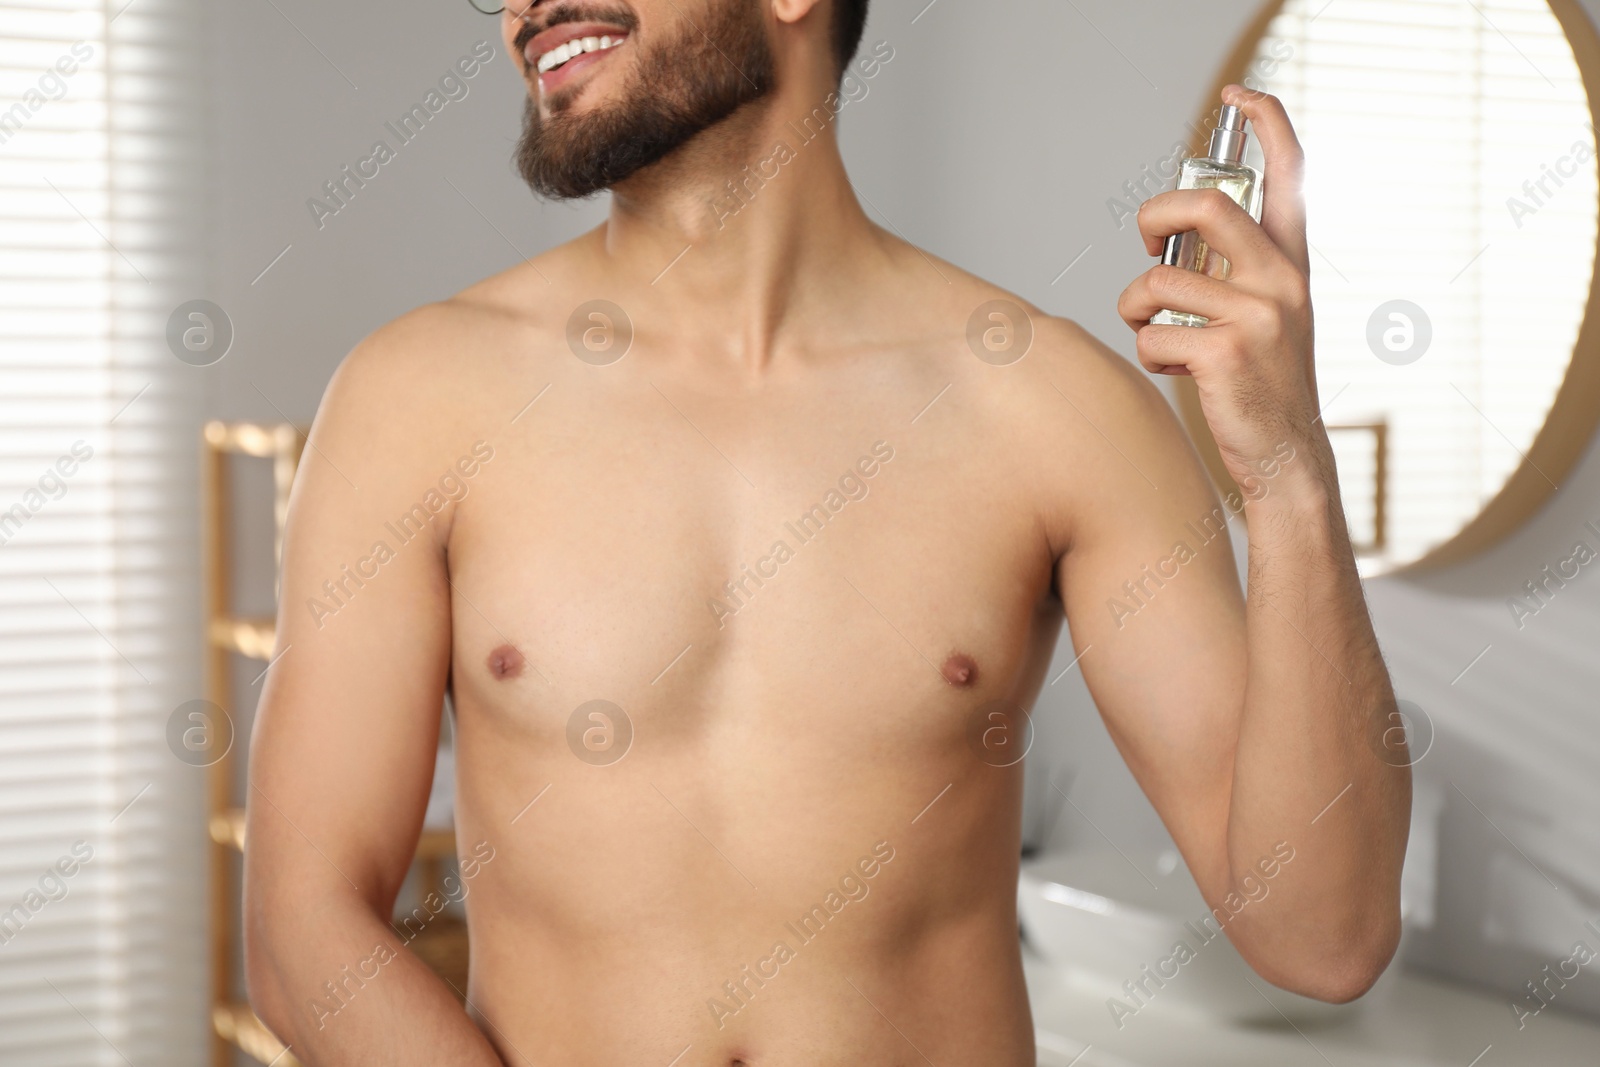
(101,851)
(1437,133)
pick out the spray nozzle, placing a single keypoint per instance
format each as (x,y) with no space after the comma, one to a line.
(1228,139)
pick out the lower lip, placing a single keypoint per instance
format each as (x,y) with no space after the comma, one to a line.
(552,80)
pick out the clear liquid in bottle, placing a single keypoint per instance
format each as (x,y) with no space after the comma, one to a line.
(1222,169)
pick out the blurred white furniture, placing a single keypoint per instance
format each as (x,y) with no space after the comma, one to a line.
(1419,1022)
(1095,919)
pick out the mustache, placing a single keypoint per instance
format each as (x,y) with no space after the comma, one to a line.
(620,17)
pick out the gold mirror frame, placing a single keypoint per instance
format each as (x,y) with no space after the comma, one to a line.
(1573,415)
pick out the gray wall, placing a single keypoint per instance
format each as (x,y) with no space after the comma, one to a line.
(965,144)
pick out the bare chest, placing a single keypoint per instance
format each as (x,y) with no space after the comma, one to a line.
(691,559)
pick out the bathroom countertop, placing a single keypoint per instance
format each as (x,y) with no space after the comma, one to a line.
(1421,1022)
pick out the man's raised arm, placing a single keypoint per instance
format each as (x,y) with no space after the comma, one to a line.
(343,749)
(1261,730)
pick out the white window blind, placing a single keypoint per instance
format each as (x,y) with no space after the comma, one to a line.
(98,545)
(1423,120)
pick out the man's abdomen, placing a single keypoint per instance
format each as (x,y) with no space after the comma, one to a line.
(746,893)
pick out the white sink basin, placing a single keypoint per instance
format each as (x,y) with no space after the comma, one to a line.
(1110,929)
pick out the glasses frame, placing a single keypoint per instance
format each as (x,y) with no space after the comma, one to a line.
(500,9)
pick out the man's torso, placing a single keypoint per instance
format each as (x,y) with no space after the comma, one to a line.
(751,773)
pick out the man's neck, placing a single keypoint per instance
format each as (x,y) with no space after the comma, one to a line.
(748,237)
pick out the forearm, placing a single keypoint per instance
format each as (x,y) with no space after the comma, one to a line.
(1308,769)
(336,984)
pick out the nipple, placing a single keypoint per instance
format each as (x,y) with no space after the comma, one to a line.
(960,670)
(505,662)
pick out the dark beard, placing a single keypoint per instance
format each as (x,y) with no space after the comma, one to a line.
(678,89)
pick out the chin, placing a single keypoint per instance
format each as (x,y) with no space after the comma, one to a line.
(577,101)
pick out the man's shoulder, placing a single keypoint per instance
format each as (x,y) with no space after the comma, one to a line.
(433,380)
(411,365)
(1032,360)
(453,351)
(519,300)
(1078,422)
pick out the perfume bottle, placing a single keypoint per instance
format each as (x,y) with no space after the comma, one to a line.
(1222,167)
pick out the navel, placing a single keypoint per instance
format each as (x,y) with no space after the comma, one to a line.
(960,670)
(505,662)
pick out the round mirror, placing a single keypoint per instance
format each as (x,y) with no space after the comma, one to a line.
(1453,197)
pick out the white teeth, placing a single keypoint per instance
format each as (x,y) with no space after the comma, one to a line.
(573,48)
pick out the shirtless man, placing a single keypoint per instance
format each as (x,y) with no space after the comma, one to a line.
(803,511)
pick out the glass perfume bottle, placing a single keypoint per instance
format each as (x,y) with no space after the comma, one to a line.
(1222,167)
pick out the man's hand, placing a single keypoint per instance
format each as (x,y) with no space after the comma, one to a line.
(1253,363)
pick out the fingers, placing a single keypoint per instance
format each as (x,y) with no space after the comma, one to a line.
(1225,225)
(1283,214)
(1223,354)
(1173,288)
(1169,349)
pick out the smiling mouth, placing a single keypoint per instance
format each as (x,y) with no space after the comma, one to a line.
(559,56)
